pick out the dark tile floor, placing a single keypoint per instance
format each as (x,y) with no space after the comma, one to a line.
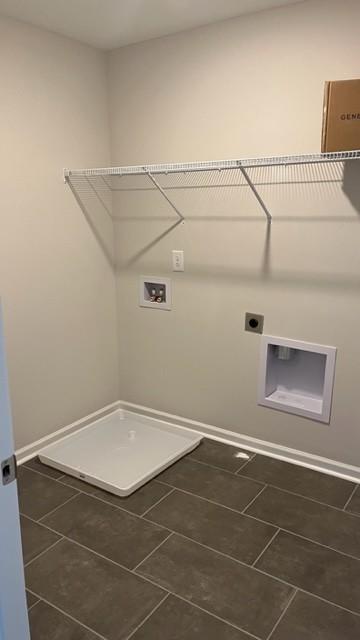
(218,547)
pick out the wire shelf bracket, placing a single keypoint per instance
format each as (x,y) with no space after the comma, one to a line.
(256,194)
(159,187)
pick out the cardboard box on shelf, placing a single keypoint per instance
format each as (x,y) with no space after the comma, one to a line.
(341,119)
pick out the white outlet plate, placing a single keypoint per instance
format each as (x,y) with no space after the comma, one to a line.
(178,260)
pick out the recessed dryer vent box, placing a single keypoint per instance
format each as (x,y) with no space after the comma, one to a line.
(155,292)
(297,377)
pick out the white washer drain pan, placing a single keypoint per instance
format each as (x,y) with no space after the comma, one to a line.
(119,453)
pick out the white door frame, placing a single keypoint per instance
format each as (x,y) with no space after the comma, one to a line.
(13,609)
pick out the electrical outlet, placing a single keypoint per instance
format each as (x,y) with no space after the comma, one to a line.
(254,322)
(178,260)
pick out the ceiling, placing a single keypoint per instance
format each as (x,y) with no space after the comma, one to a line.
(108,24)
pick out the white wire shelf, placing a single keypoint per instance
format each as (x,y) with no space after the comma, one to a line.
(242,165)
(211,165)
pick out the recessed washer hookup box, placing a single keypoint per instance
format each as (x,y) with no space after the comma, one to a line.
(341,119)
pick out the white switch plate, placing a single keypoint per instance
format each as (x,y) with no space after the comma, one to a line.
(178,260)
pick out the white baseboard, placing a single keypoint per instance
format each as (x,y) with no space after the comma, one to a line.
(31,450)
(309,460)
(301,458)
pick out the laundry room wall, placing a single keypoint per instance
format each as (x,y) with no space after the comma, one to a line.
(56,279)
(251,86)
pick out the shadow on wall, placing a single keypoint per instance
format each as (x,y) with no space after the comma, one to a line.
(95,201)
(130,217)
(351,183)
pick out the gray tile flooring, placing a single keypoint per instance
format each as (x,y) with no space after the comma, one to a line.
(354,502)
(218,547)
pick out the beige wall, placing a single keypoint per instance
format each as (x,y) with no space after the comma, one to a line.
(56,283)
(249,86)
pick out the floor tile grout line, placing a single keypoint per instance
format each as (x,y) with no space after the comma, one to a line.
(117,564)
(308,593)
(261,571)
(352,513)
(34,605)
(58,507)
(148,616)
(171,532)
(108,502)
(33,593)
(46,526)
(292,597)
(253,500)
(248,515)
(153,551)
(27,564)
(88,493)
(79,544)
(211,466)
(300,495)
(255,481)
(218,504)
(236,473)
(123,508)
(311,594)
(244,513)
(333,604)
(256,569)
(167,594)
(265,573)
(114,562)
(320,544)
(299,535)
(214,615)
(157,502)
(171,490)
(125,511)
(245,464)
(223,554)
(68,615)
(40,473)
(350,497)
(266,547)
